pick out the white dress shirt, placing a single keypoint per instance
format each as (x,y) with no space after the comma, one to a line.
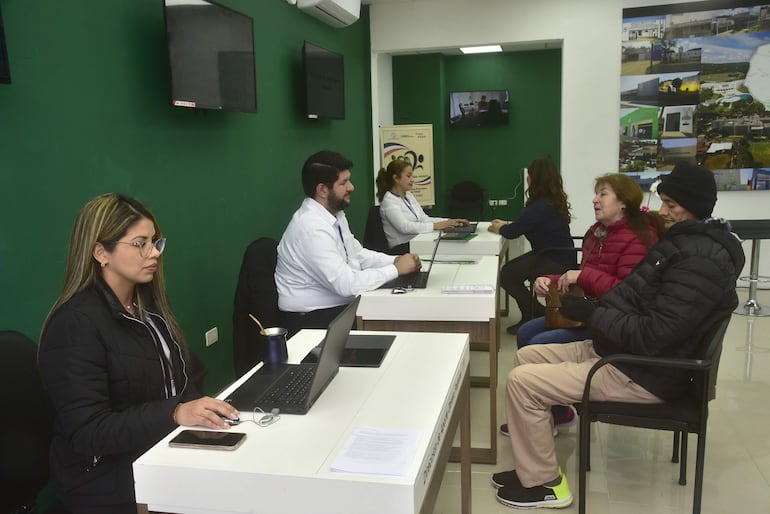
(403,218)
(321,264)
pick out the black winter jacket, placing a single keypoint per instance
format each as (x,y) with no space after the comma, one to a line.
(669,302)
(105,375)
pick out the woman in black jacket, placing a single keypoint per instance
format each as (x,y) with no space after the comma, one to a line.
(113,359)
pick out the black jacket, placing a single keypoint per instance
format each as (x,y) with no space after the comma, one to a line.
(669,301)
(106,377)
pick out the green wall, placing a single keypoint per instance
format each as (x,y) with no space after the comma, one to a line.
(491,156)
(88,112)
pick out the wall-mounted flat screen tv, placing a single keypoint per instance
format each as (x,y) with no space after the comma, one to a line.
(324,82)
(211,55)
(5,71)
(478,108)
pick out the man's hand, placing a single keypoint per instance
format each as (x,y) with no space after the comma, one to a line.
(576,308)
(407,263)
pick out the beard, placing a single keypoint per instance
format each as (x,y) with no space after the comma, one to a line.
(338,203)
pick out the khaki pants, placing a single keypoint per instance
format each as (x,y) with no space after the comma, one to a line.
(554,374)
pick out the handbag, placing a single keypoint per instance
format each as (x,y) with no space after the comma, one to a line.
(554,318)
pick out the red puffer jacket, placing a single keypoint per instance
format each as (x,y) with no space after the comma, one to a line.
(609,255)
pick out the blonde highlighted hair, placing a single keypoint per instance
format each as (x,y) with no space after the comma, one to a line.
(105,220)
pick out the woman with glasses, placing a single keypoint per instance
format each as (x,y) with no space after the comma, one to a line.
(113,359)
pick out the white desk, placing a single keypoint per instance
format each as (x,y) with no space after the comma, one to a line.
(285,468)
(485,243)
(430,310)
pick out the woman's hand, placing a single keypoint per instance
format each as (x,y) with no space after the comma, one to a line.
(206,411)
(441,225)
(567,279)
(541,285)
(495,225)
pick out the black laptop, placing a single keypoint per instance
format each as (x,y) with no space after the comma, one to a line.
(294,388)
(416,280)
(470,228)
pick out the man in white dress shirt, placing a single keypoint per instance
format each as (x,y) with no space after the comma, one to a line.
(321,266)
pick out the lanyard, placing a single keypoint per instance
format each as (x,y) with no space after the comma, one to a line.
(407,203)
(339,229)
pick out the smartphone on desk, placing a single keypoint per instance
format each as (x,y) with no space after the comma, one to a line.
(209,440)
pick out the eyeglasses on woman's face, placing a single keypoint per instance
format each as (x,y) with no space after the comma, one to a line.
(145,247)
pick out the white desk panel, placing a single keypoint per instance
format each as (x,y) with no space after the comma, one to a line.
(430,304)
(485,243)
(285,467)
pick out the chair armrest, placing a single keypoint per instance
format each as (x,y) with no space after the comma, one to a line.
(640,360)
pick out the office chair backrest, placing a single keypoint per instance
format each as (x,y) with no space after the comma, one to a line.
(466,195)
(711,350)
(25,435)
(374,235)
(255,294)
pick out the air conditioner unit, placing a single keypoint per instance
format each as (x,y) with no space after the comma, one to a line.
(337,13)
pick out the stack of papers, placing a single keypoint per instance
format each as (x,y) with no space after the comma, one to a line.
(378,451)
(469,289)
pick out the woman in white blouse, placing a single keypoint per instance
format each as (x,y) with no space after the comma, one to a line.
(402,216)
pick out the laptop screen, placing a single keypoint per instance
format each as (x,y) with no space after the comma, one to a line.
(435,249)
(332,348)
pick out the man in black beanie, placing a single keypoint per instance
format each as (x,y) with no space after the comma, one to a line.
(683,288)
(692,187)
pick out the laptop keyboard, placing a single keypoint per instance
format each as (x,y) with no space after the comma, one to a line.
(415,280)
(291,389)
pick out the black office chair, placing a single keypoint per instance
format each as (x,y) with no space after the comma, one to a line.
(467,196)
(686,415)
(25,436)
(374,234)
(255,294)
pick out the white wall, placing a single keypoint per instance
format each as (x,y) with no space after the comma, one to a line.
(590,32)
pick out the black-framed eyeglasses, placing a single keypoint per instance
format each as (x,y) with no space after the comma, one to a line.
(145,247)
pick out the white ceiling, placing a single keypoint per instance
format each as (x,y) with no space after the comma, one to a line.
(509,47)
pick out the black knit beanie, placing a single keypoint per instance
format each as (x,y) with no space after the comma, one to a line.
(692,187)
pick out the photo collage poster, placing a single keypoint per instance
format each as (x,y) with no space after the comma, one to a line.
(695,87)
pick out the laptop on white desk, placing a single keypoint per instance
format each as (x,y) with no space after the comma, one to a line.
(294,388)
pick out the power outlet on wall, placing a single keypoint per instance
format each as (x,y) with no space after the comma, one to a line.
(502,202)
(212,336)
(493,203)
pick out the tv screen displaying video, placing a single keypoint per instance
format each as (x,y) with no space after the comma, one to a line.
(478,108)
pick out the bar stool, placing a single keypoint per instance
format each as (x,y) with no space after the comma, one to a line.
(756,230)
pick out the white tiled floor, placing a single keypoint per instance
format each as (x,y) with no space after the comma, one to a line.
(631,468)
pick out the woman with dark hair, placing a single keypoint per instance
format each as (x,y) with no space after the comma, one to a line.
(545,224)
(612,247)
(402,215)
(113,359)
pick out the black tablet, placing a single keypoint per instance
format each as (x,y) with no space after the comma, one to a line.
(361,350)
